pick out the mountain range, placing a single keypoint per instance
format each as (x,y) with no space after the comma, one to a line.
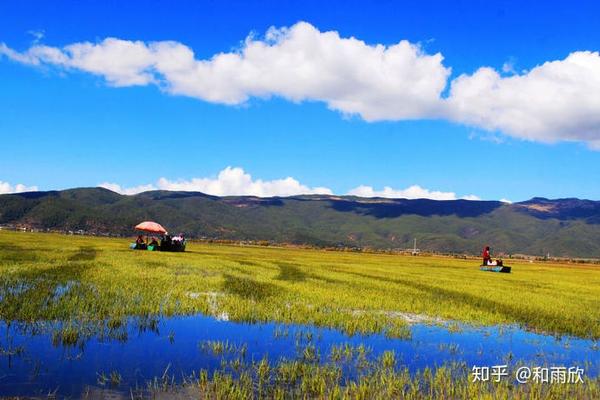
(562,227)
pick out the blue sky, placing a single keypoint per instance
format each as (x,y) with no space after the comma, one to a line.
(82,123)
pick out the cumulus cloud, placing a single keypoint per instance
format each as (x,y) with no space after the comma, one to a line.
(128,191)
(229,182)
(297,63)
(411,192)
(555,101)
(234,181)
(6,188)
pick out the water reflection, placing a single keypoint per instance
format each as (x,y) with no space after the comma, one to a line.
(73,359)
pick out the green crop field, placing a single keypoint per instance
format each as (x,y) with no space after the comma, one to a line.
(91,284)
(101,279)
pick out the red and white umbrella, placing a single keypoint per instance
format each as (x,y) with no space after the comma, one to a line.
(151,227)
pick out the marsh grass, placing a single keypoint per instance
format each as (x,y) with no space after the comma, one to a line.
(67,336)
(218,347)
(380,378)
(84,280)
(113,378)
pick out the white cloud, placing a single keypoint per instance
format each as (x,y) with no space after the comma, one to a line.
(234,181)
(129,191)
(509,67)
(506,201)
(411,192)
(297,63)
(229,182)
(37,35)
(492,137)
(555,101)
(6,187)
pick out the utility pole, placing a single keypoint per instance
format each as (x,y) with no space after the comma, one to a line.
(415,251)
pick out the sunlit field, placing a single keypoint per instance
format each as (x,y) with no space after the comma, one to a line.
(103,279)
(90,285)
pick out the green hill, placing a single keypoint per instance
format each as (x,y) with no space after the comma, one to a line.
(563,227)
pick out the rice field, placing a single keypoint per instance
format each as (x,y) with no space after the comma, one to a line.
(48,276)
(87,286)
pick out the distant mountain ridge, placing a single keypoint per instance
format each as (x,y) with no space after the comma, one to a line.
(563,227)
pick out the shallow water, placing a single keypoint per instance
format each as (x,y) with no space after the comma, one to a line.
(173,345)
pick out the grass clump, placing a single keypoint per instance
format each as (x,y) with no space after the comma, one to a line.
(378,379)
(66,336)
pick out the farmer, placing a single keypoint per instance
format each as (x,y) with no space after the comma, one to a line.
(487,259)
(139,243)
(154,243)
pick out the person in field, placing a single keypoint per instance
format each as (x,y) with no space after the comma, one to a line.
(139,243)
(154,243)
(487,258)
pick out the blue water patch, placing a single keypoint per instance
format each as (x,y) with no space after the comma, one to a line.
(33,363)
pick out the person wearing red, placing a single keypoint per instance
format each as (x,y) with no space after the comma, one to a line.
(486,255)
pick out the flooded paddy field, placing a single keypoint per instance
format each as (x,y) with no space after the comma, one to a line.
(146,353)
(87,317)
